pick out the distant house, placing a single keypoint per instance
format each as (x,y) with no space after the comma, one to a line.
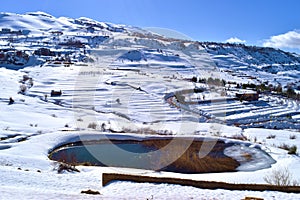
(247,95)
(73,43)
(2,56)
(55,93)
(11,32)
(57,33)
(44,52)
(5,31)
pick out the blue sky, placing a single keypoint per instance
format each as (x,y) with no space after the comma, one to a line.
(255,22)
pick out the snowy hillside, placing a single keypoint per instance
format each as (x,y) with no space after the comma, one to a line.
(39,22)
(69,81)
(38,29)
(266,64)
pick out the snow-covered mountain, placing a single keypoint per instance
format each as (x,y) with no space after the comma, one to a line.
(38,29)
(40,22)
(264,63)
(239,57)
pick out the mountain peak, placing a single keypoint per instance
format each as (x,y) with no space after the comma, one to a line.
(39,13)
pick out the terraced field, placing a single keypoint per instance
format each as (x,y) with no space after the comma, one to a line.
(268,112)
(133,91)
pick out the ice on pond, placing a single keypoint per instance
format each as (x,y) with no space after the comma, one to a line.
(250,158)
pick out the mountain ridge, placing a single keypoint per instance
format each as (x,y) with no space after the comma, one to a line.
(34,30)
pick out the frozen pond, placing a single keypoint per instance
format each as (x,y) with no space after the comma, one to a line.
(180,155)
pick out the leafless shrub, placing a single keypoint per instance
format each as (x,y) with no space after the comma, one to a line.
(271,136)
(281,177)
(293,137)
(23,88)
(93,125)
(239,137)
(290,149)
(255,139)
(25,78)
(66,167)
(284,146)
(216,133)
(293,150)
(90,192)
